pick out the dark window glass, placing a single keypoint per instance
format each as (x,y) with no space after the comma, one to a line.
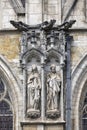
(84,124)
(6,115)
(1,87)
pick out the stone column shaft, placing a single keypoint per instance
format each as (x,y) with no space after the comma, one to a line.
(61,98)
(24,92)
(68,87)
(42,91)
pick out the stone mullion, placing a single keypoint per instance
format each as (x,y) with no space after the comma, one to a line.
(42,3)
(26,12)
(42,90)
(42,93)
(63,42)
(68,86)
(24,91)
(62,95)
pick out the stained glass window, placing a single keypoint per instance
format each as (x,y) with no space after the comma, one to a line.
(6,115)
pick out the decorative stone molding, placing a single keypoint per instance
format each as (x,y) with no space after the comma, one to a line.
(79,81)
(14,86)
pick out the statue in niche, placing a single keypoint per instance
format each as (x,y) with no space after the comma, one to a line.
(53,89)
(34,90)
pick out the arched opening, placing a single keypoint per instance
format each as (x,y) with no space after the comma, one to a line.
(83,108)
(79,95)
(11,102)
(6,114)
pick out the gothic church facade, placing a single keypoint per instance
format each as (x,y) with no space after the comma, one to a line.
(43,70)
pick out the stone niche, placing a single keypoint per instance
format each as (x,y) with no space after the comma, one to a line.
(42,58)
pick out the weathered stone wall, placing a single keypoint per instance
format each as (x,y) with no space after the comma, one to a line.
(78,47)
(38,11)
(79,75)
(76,10)
(9,45)
(10,49)
(52,10)
(7,14)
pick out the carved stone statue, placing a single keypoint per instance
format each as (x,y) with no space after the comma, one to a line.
(34,90)
(53,90)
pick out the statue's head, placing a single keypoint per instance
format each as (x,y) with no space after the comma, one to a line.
(53,68)
(34,68)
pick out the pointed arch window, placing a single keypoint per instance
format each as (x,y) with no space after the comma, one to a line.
(6,114)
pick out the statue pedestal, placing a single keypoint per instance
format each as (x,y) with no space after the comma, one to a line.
(53,114)
(33,113)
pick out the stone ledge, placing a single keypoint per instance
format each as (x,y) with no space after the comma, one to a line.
(42,122)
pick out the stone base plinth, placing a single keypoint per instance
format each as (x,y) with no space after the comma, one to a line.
(52,114)
(43,126)
(33,113)
(29,127)
(54,127)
